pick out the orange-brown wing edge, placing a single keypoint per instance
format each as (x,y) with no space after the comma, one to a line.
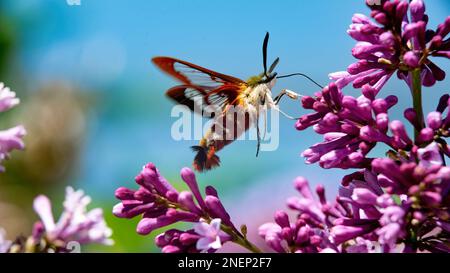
(167,64)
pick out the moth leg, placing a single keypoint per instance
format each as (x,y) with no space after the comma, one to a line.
(265,125)
(284,114)
(286,92)
(265,113)
(258,134)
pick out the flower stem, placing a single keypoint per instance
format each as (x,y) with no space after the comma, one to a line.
(416,91)
(241,240)
(247,244)
(236,237)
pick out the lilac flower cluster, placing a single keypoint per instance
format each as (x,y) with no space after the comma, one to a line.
(12,138)
(76,227)
(407,202)
(397,203)
(75,224)
(309,232)
(437,125)
(203,238)
(351,127)
(161,205)
(398,40)
(395,207)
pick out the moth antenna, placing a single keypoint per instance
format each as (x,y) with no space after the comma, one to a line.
(274,64)
(301,75)
(264,51)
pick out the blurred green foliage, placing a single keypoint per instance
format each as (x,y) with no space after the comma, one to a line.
(7,41)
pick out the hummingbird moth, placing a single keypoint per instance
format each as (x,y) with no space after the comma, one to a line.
(202,88)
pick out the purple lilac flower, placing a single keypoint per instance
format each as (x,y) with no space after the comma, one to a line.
(361,245)
(12,138)
(76,224)
(203,238)
(351,127)
(7,98)
(402,200)
(399,203)
(209,235)
(309,231)
(375,215)
(430,156)
(9,140)
(398,206)
(397,40)
(437,125)
(161,205)
(177,241)
(435,130)
(392,226)
(4,244)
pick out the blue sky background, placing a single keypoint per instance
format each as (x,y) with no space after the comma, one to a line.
(105,47)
